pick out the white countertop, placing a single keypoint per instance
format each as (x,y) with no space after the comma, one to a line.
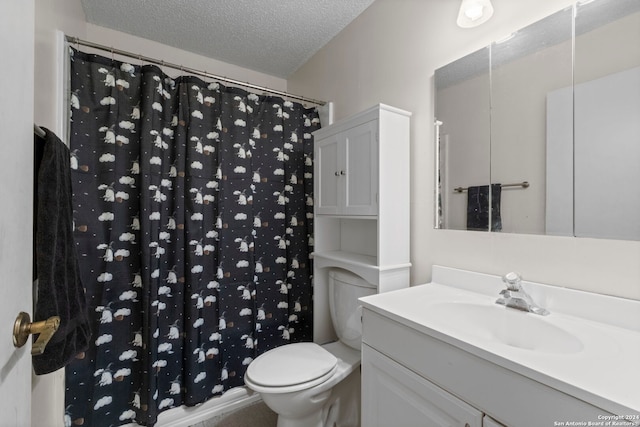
(604,371)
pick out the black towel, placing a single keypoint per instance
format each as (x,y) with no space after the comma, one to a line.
(60,291)
(478,208)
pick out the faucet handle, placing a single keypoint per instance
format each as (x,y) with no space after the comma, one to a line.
(512,280)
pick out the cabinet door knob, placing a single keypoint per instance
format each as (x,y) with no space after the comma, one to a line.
(343,173)
(337,173)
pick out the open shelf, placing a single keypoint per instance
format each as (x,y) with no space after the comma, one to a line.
(350,258)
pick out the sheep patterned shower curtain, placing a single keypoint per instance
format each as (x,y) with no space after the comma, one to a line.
(193,221)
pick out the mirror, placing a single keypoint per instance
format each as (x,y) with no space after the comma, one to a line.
(464,133)
(547,175)
(524,68)
(607,120)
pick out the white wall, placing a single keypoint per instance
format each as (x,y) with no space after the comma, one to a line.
(389,55)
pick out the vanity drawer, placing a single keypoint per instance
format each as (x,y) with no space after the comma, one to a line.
(506,396)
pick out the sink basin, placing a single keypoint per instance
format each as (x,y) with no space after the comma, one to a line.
(507,326)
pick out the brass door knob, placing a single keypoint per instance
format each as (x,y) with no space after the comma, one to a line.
(23,327)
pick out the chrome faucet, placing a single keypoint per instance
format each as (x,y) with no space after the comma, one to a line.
(516,297)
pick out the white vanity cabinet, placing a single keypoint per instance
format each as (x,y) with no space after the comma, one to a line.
(361,204)
(458,378)
(445,351)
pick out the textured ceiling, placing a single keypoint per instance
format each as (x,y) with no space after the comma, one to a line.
(270,36)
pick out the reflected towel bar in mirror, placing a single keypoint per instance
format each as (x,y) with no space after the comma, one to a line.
(524,184)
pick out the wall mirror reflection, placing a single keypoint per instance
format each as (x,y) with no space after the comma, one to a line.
(539,132)
(607,120)
(463,91)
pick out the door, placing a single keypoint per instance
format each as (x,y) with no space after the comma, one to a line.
(16,183)
(360,177)
(327,175)
(392,395)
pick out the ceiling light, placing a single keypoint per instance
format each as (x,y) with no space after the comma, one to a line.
(474,12)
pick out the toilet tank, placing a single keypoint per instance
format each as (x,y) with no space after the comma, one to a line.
(346,312)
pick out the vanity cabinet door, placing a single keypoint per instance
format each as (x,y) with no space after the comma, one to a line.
(487,421)
(392,395)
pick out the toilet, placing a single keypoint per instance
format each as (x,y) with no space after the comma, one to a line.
(296,380)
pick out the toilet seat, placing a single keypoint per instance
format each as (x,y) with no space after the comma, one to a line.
(290,368)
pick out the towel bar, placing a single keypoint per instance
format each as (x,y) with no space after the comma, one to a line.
(524,184)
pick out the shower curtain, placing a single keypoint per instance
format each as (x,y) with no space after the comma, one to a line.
(193,222)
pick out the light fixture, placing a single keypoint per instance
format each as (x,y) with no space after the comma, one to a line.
(474,12)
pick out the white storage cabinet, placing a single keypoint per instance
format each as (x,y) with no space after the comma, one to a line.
(361,204)
(348,171)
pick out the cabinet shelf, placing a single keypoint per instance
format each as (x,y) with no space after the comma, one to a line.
(356,259)
(343,216)
(348,258)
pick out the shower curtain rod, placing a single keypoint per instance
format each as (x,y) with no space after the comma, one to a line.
(78,41)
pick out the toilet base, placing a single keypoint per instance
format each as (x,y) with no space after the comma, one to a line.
(313,420)
(327,417)
(306,412)
(341,404)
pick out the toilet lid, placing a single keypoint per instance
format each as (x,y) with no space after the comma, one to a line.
(291,364)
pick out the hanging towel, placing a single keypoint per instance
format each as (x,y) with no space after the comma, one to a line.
(59,290)
(478,208)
